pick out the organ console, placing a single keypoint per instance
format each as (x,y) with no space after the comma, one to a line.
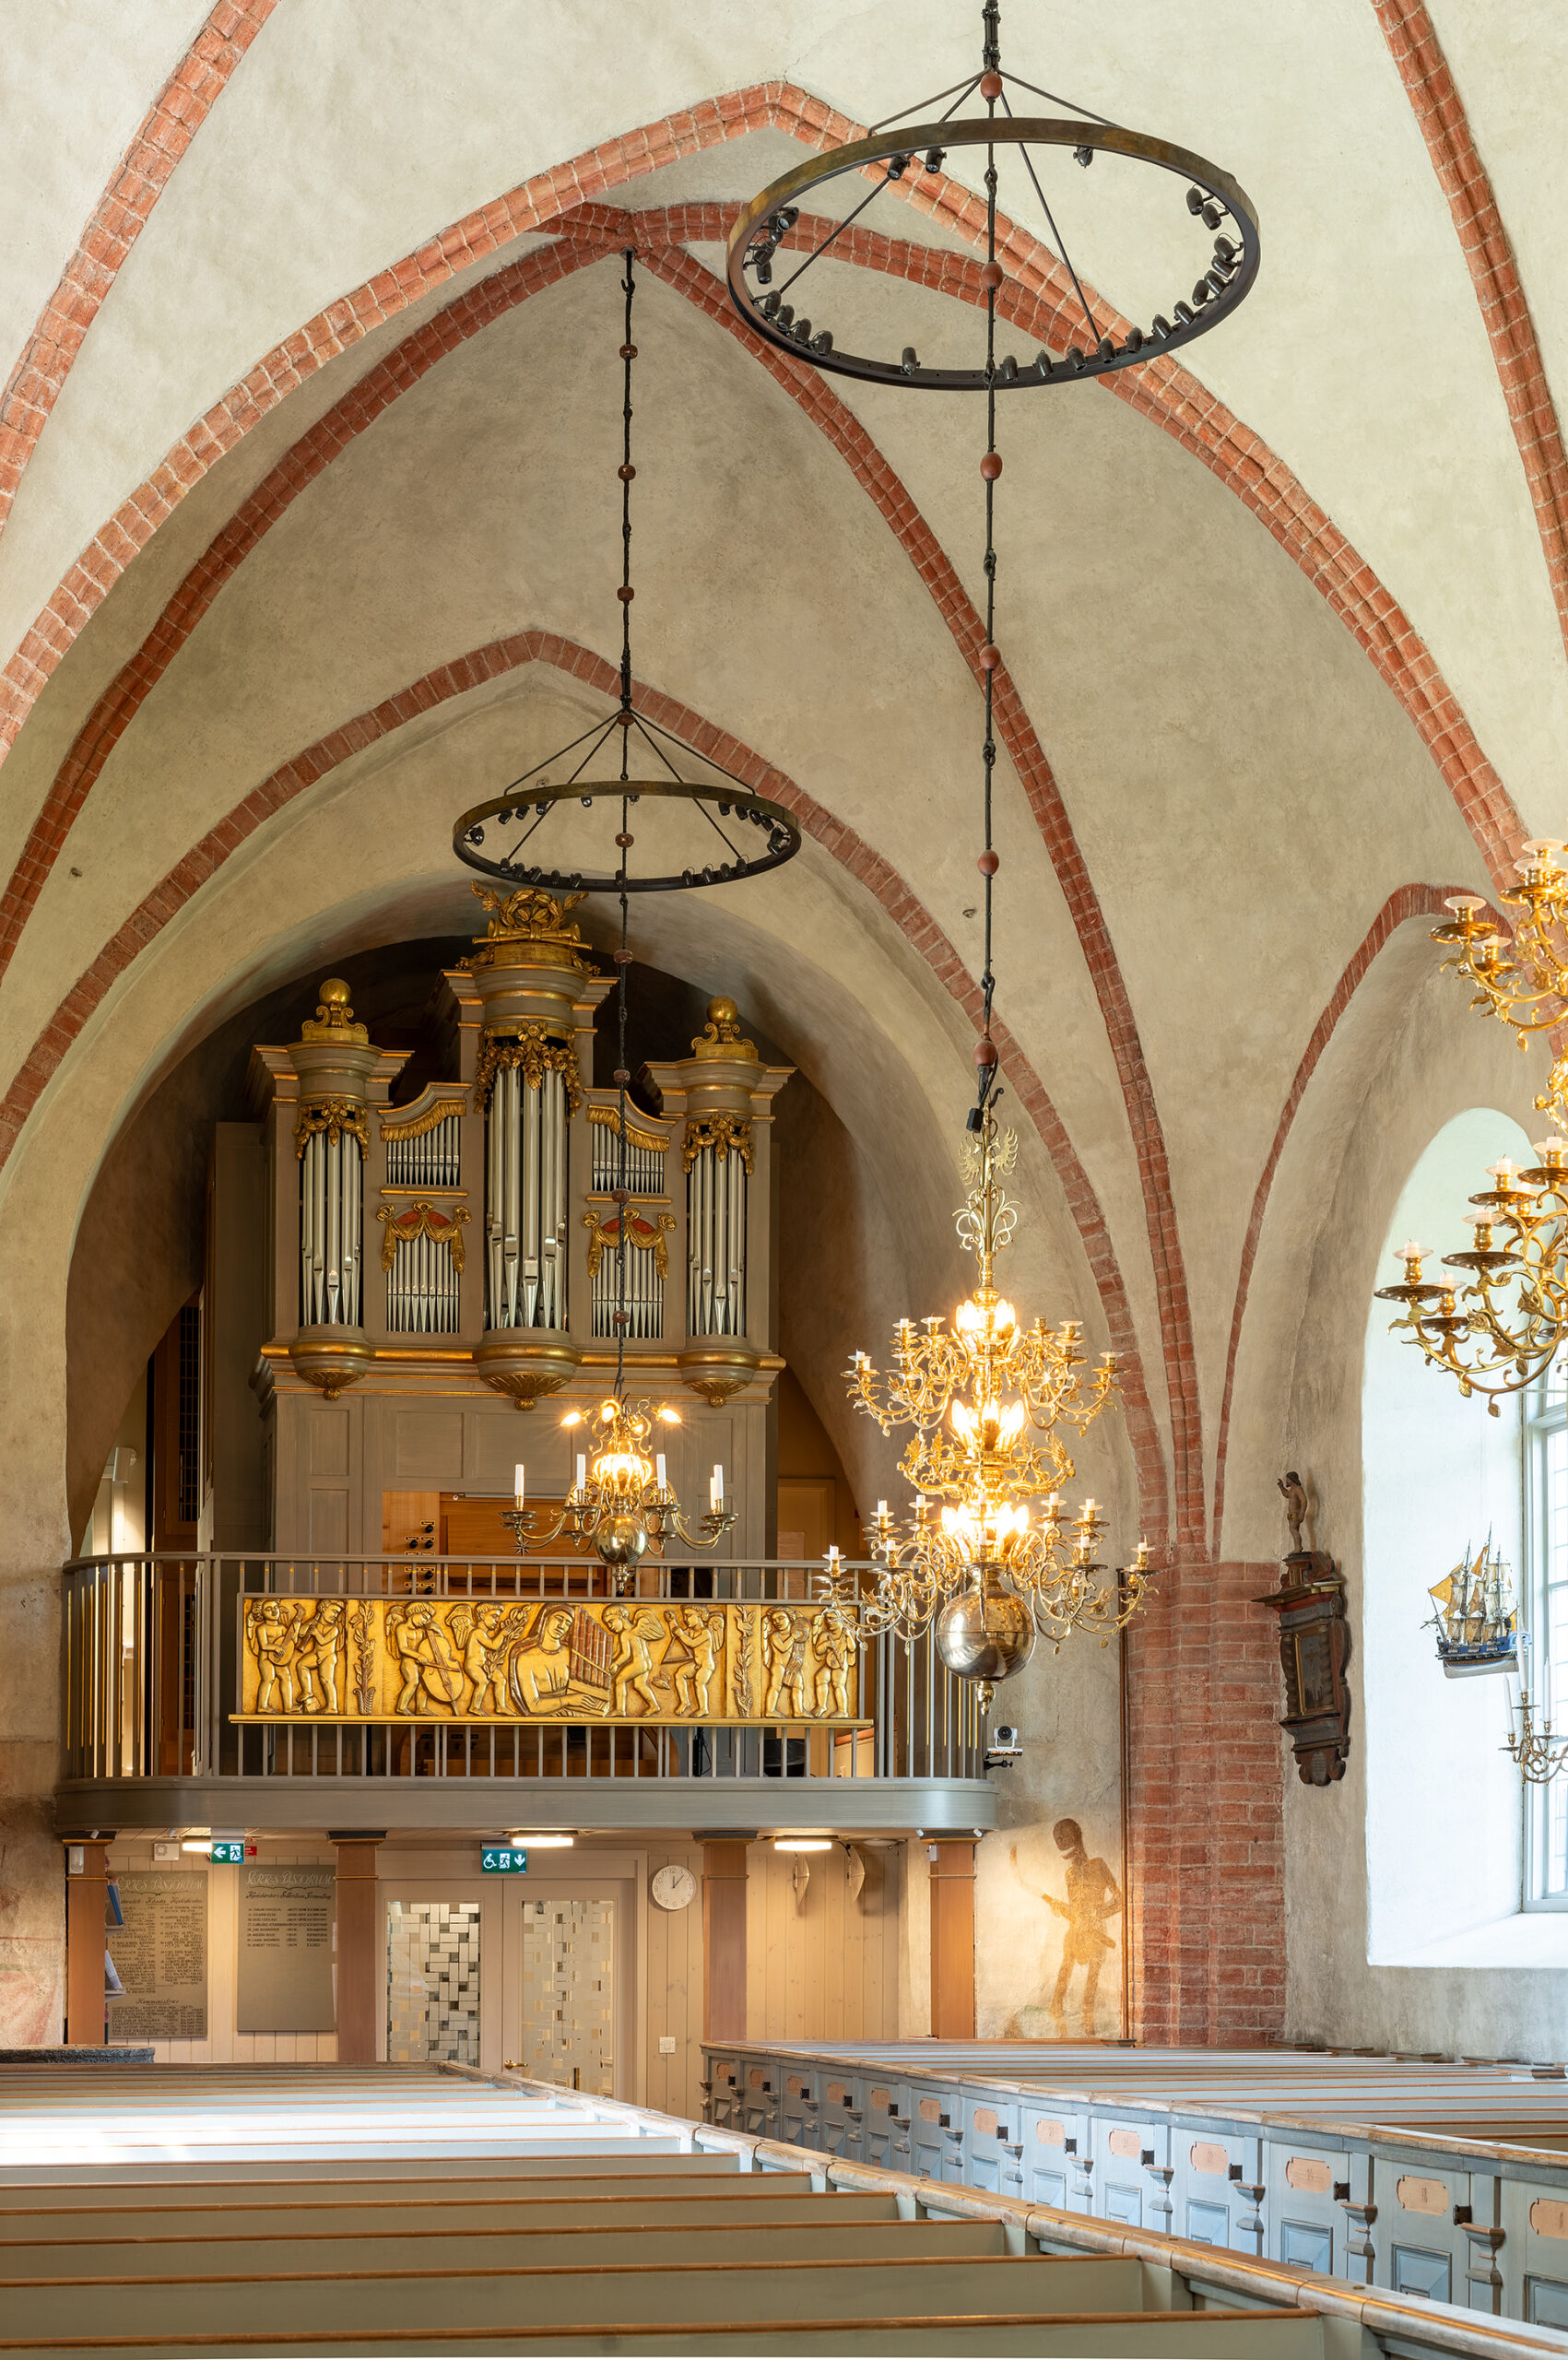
(432,1267)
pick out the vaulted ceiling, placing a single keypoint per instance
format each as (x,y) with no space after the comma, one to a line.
(308,534)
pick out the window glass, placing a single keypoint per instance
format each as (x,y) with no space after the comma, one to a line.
(432,1982)
(1544,1602)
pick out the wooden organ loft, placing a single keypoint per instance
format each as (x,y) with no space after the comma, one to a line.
(429,1270)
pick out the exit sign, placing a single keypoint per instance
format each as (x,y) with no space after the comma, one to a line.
(230,1852)
(503,1860)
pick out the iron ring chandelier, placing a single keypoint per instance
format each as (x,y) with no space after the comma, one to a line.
(889,154)
(728,808)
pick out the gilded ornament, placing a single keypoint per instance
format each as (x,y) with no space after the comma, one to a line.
(534,1053)
(334,1017)
(531,918)
(608,1118)
(644,1235)
(417,1125)
(722,1133)
(423,1220)
(469,1661)
(721,1036)
(337,1118)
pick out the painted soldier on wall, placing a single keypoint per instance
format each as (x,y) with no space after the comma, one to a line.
(1093,1897)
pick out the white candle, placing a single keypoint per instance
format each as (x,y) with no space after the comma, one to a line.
(659,1463)
(881,1511)
(582,1471)
(517,1483)
(716,1491)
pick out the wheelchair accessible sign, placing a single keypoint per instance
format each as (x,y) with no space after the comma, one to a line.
(503,1860)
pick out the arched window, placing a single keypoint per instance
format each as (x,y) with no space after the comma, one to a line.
(1544,1611)
(1444,1814)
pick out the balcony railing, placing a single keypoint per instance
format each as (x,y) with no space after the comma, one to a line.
(151,1680)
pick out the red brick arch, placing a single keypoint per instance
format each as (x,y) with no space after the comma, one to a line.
(116,221)
(366,401)
(293,779)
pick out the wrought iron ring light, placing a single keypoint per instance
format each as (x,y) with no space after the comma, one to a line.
(989,1567)
(620,1502)
(900,154)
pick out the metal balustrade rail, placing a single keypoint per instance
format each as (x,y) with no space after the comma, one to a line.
(151,1679)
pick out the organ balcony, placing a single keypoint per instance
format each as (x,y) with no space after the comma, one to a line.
(365,1621)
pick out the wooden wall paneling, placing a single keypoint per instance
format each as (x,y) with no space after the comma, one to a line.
(361,1973)
(726,1946)
(86,1907)
(952,1940)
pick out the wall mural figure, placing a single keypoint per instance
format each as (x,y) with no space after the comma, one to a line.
(1093,1898)
(635,1630)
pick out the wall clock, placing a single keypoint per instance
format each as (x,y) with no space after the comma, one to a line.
(673,1887)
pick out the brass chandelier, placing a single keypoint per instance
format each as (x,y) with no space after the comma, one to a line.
(620,1501)
(1497,1326)
(985,1399)
(978,1557)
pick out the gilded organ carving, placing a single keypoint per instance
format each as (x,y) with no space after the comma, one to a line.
(457,1661)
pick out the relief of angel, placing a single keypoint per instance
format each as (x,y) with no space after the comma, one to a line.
(697,1635)
(786,1639)
(422,1646)
(273,1637)
(634,1629)
(318,1639)
(834,1637)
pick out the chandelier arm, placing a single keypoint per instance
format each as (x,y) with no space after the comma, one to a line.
(1061,242)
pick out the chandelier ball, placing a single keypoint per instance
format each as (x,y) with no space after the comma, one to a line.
(620,1540)
(986,1634)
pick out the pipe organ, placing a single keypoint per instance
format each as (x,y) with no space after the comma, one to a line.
(492,1202)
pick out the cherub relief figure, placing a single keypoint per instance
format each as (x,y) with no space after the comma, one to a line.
(785,1639)
(696,1637)
(273,1637)
(634,1631)
(482,1633)
(541,1664)
(833,1635)
(1093,1897)
(430,1670)
(318,1638)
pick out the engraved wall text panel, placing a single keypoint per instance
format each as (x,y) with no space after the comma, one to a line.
(159,1955)
(284,1981)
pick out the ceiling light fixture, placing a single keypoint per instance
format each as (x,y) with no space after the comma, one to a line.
(1498,1327)
(620,1502)
(541,1843)
(775,235)
(985,1399)
(803,1843)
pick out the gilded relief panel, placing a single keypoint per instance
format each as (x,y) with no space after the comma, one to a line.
(555,1660)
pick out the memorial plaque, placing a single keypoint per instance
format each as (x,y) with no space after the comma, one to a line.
(284,1978)
(159,1955)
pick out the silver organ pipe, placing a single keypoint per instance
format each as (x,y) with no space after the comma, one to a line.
(422,1288)
(716,1218)
(430,1159)
(331,1227)
(645,1180)
(526,1208)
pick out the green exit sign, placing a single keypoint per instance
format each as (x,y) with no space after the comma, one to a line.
(503,1860)
(231,1852)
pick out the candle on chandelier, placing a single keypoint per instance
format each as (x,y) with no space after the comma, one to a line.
(716,1491)
(881,1511)
(659,1466)
(517,1483)
(582,1473)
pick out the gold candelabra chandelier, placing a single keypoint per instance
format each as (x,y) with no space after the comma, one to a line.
(1498,1324)
(621,1501)
(987,1554)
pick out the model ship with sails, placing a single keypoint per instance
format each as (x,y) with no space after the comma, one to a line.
(1476,1621)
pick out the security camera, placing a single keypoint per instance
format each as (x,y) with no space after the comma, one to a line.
(1003,1746)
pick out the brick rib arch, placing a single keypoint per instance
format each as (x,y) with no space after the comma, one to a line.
(1413,44)
(366,401)
(500,656)
(1163,391)
(116,223)
(1408,902)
